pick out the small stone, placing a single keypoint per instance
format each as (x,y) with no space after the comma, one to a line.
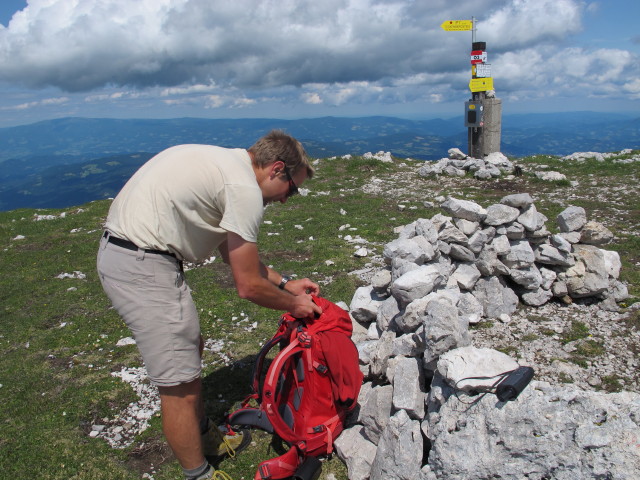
(361,252)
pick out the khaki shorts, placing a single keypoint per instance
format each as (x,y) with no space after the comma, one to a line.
(150,293)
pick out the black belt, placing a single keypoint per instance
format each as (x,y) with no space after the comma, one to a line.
(121,242)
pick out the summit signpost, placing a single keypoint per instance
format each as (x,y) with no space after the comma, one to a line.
(457,25)
(483,111)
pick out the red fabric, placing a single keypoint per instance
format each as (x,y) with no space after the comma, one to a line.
(342,359)
(333,318)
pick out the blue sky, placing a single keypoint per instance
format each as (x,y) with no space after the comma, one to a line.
(298,58)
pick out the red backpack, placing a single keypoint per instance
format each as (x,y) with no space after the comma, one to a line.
(307,392)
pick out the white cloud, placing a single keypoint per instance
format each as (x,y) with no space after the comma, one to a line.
(558,72)
(82,45)
(214,101)
(312,98)
(188,90)
(39,103)
(521,23)
(55,101)
(217,54)
(593,7)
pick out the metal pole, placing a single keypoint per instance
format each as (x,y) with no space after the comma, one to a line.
(473,29)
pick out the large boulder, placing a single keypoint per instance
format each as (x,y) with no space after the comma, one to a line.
(548,432)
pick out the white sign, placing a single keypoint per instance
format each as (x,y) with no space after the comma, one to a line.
(478,56)
(483,70)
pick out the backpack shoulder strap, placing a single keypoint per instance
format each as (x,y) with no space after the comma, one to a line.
(257,367)
(270,398)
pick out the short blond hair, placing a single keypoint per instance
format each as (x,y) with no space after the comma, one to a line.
(277,145)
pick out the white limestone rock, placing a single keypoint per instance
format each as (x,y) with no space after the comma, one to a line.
(356,451)
(474,369)
(571,219)
(416,283)
(465,209)
(518,200)
(594,233)
(499,214)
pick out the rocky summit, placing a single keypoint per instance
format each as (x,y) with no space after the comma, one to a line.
(428,409)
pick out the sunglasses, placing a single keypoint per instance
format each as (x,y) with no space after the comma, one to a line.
(293,188)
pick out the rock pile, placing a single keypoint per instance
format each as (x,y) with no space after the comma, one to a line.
(415,347)
(458,164)
(600,157)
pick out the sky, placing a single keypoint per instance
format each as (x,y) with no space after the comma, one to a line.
(305,59)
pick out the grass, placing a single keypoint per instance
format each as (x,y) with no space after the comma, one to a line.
(611,383)
(586,351)
(577,331)
(58,335)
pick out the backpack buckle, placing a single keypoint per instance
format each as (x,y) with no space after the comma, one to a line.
(265,473)
(302,446)
(304,339)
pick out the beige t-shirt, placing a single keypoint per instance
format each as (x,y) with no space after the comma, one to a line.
(185,200)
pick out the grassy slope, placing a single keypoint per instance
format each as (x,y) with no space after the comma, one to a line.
(57,345)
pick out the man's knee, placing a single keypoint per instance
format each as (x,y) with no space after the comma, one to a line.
(185,391)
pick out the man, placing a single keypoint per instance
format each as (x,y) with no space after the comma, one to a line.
(183,204)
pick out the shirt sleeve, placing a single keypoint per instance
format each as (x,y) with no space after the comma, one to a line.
(243,211)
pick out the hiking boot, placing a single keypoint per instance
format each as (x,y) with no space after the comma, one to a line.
(217,475)
(223,442)
(213,474)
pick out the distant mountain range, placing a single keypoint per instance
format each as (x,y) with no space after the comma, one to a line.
(58,163)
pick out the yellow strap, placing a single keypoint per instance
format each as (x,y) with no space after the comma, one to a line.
(220,475)
(230,450)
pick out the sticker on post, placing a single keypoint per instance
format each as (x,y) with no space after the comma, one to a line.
(478,56)
(482,70)
(481,84)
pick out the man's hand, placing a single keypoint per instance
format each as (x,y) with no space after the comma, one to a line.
(304,307)
(302,286)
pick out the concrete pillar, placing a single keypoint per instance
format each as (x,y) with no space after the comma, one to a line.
(492,128)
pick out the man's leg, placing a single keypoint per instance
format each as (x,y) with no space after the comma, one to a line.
(182,410)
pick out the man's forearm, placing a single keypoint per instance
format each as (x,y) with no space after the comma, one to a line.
(270,274)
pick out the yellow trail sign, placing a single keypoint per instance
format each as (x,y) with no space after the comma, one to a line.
(457,25)
(481,84)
